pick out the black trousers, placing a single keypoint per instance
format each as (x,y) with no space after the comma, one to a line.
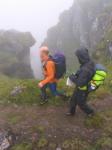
(79,98)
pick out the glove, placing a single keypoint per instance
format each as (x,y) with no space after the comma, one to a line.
(69,82)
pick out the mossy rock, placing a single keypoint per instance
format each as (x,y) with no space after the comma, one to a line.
(43,142)
(22,146)
(104,143)
(94,122)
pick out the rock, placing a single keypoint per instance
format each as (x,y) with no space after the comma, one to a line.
(15,106)
(58,148)
(5,144)
(49,135)
(79,28)
(35,137)
(15,53)
(7,138)
(17,90)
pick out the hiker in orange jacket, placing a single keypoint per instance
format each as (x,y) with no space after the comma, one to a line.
(48,67)
(49,75)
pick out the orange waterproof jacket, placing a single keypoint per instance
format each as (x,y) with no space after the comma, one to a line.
(49,73)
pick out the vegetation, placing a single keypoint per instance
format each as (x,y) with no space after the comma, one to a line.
(95,121)
(43,128)
(23,146)
(24,92)
(30,93)
(29,96)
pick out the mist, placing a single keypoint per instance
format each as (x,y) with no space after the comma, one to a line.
(35,16)
(31,15)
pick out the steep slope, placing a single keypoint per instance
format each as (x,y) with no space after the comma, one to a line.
(46,127)
(84,24)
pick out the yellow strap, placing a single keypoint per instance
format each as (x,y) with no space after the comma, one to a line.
(84,88)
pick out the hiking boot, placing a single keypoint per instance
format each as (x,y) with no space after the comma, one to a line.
(43,101)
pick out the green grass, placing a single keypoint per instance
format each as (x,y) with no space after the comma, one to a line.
(38,129)
(76,143)
(42,143)
(14,118)
(104,143)
(23,146)
(94,122)
(31,93)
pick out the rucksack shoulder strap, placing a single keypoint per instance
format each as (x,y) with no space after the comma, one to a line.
(50,59)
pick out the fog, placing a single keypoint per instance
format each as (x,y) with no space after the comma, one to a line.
(35,16)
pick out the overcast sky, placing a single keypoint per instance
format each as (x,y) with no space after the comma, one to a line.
(35,16)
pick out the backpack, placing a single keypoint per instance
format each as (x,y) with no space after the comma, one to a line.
(60,63)
(98,78)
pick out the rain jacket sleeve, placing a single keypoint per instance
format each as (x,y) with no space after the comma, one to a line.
(49,73)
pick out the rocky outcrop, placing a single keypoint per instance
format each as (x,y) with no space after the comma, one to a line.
(15,53)
(84,24)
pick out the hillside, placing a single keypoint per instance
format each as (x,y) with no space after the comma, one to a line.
(27,125)
(84,24)
(36,127)
(15,53)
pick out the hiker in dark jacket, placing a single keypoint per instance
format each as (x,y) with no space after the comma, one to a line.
(81,79)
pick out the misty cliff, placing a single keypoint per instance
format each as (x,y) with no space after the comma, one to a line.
(84,24)
(15,53)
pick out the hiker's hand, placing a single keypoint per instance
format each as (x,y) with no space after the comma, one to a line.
(40,85)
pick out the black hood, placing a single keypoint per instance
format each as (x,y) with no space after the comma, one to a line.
(83,55)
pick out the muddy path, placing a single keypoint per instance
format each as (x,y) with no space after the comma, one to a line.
(51,121)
